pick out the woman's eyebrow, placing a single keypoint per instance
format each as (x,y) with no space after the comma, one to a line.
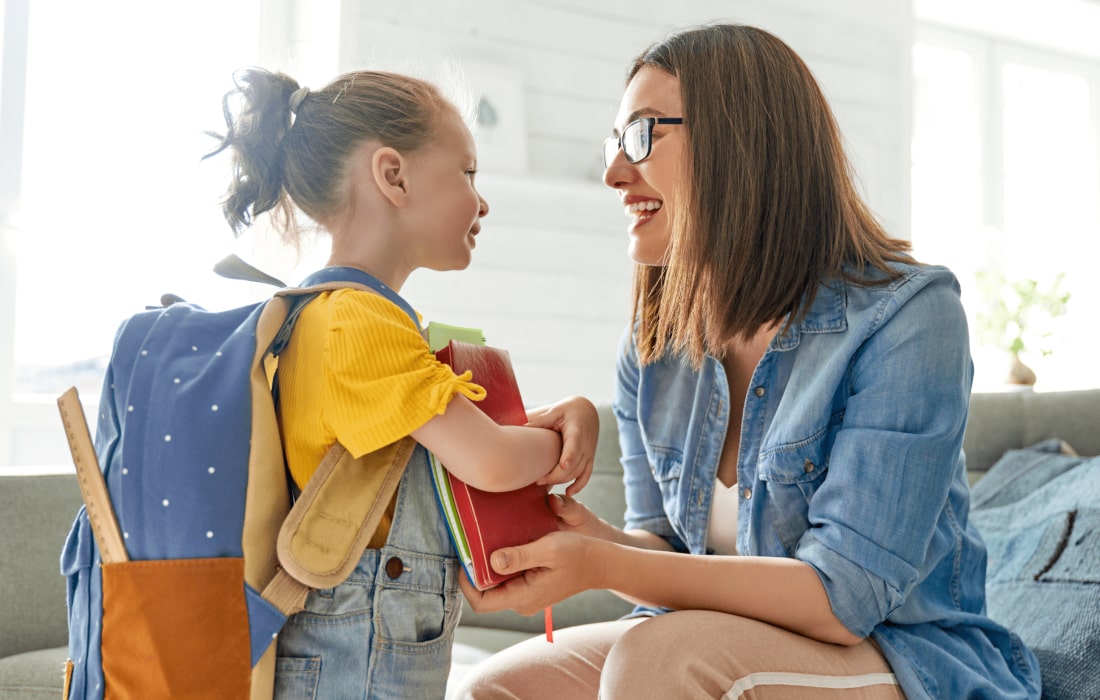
(638,114)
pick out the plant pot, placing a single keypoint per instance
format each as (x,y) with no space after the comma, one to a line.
(1019,373)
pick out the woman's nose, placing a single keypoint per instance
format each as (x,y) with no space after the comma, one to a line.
(618,172)
(483,209)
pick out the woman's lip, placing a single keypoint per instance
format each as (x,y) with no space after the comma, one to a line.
(640,221)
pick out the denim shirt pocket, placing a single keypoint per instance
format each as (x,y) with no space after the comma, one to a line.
(666,464)
(667,467)
(790,475)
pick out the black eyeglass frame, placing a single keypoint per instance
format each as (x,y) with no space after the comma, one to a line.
(650,122)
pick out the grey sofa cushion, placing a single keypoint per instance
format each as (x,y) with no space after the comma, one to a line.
(1038,511)
(33,674)
(1014,420)
(39,511)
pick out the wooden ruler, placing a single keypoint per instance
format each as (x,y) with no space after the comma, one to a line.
(92,486)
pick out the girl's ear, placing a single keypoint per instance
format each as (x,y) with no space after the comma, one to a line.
(390,171)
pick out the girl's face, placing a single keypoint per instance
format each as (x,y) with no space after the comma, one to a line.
(648,188)
(448,208)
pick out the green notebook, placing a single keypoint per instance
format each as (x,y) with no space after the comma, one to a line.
(439,334)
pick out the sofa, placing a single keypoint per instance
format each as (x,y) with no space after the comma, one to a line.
(37,506)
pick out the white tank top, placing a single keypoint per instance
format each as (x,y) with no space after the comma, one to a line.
(722,529)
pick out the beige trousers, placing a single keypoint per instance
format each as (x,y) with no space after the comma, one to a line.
(689,654)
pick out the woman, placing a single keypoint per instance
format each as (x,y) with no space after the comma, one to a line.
(791,401)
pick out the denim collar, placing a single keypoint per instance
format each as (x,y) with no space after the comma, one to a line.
(827,314)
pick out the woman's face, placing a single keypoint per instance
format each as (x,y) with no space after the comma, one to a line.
(648,188)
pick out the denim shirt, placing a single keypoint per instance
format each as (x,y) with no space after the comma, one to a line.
(850,460)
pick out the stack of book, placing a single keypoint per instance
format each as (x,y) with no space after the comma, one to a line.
(481,522)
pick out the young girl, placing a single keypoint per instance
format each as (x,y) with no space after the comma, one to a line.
(384,164)
(791,403)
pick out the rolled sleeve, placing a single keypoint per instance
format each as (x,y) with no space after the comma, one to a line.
(873,523)
(644,502)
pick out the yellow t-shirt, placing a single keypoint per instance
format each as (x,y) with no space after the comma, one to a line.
(357,371)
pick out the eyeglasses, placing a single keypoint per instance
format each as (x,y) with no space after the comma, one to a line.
(636,139)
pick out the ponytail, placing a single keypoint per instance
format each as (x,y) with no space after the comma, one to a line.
(291,147)
(254,134)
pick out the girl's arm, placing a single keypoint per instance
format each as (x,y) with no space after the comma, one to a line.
(486,455)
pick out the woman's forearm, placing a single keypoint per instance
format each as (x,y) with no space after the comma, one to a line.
(638,539)
(780,591)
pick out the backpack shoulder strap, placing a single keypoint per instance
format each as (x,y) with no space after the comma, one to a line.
(330,524)
(339,277)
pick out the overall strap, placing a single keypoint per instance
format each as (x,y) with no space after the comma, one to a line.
(329,278)
(325,277)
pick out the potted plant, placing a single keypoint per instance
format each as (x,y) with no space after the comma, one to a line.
(1018,317)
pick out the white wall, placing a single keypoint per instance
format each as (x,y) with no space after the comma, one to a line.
(550,280)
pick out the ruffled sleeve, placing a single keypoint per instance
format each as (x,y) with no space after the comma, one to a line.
(381,381)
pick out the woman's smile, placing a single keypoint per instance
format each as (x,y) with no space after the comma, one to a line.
(641,210)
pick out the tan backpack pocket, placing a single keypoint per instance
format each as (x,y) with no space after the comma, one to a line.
(175,628)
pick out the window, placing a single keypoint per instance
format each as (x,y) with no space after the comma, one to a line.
(114,206)
(1006,169)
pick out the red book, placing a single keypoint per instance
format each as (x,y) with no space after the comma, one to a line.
(482,522)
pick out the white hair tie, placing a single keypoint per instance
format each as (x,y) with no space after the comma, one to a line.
(296,99)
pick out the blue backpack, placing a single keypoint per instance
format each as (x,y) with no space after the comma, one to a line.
(187,557)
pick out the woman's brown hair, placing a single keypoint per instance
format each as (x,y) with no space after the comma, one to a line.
(288,155)
(771,208)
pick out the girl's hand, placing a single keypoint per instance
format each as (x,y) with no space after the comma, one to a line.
(554,568)
(579,424)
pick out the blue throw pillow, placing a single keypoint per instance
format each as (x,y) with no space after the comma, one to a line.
(1038,510)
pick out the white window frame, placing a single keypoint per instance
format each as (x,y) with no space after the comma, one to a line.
(15,21)
(990,53)
(295,35)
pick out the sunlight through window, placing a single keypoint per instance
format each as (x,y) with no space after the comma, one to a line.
(1006,175)
(116,207)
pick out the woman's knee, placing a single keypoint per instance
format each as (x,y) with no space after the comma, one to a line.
(651,659)
(534,669)
(685,654)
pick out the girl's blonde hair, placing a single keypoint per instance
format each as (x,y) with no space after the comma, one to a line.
(770,209)
(284,157)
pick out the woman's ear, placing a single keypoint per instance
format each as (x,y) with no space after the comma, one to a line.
(390,171)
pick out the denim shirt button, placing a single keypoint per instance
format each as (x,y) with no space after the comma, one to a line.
(747,493)
(808,467)
(759,391)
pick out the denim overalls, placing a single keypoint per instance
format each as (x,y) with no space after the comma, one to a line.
(387,631)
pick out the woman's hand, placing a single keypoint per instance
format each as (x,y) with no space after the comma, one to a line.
(574,516)
(554,568)
(579,424)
